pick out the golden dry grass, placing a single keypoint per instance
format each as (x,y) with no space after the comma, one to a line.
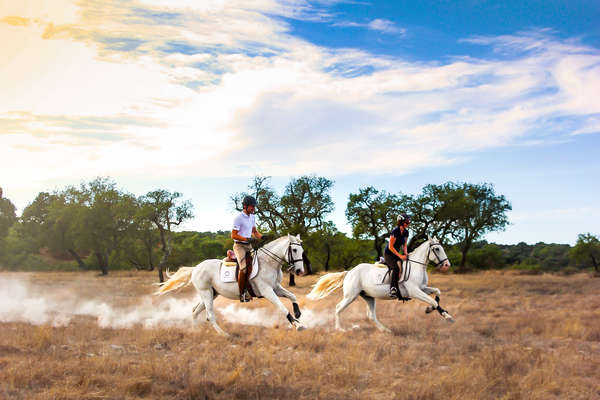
(516,337)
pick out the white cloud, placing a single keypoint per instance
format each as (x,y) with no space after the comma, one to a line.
(222,89)
(378,24)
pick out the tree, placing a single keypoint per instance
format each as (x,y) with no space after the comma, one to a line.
(478,210)
(434,213)
(8,215)
(165,210)
(106,217)
(302,209)
(50,221)
(372,214)
(305,204)
(587,249)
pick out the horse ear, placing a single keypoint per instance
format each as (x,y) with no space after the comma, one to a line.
(289,235)
(428,237)
(298,236)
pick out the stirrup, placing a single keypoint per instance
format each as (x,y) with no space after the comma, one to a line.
(393,293)
(245,297)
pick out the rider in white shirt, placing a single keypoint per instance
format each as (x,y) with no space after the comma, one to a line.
(244,235)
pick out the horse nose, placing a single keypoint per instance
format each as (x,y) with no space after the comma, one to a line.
(298,271)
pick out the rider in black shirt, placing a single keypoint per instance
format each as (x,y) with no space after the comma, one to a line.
(393,255)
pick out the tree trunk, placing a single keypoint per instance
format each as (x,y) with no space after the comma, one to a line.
(378,245)
(463,259)
(595,263)
(80,262)
(292,280)
(102,262)
(328,248)
(166,248)
(307,264)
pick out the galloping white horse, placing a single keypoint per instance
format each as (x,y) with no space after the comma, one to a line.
(360,281)
(206,279)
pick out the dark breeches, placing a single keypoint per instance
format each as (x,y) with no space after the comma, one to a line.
(392,262)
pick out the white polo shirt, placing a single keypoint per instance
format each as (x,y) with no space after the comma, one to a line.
(244,223)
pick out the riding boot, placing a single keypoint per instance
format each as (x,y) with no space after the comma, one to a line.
(242,279)
(394,290)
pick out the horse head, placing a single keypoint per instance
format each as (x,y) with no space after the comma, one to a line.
(437,255)
(287,249)
(294,257)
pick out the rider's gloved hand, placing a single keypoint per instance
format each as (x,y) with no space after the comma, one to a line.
(253,241)
(266,238)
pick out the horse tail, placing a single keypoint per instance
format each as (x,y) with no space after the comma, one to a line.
(180,279)
(326,285)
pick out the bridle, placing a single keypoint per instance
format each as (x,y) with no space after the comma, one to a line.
(440,262)
(290,257)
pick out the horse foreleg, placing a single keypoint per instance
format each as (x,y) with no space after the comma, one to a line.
(432,290)
(416,293)
(269,294)
(282,292)
(372,315)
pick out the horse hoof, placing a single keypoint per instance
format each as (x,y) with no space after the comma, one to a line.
(300,328)
(448,317)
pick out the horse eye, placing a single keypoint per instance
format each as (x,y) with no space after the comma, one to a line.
(294,250)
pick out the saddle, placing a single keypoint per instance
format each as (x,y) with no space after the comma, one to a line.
(383,277)
(230,269)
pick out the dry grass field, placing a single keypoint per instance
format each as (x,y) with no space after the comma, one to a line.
(80,336)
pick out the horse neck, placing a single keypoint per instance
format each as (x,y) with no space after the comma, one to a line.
(277,247)
(420,253)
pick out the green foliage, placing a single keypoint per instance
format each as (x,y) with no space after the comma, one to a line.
(373,213)
(586,251)
(487,256)
(97,225)
(8,216)
(301,209)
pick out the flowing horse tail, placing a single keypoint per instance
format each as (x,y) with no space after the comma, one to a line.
(326,285)
(180,279)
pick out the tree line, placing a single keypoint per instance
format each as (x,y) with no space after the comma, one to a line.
(96,225)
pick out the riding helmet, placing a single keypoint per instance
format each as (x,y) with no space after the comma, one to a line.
(248,201)
(403,218)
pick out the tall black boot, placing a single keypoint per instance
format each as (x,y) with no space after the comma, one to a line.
(394,291)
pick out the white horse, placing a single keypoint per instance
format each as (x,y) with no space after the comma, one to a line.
(206,279)
(360,280)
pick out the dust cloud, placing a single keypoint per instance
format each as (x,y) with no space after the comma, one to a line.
(22,302)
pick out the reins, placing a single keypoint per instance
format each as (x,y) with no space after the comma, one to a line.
(291,261)
(408,260)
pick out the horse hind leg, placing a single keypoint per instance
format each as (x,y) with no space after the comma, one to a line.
(207,296)
(198,308)
(341,306)
(371,313)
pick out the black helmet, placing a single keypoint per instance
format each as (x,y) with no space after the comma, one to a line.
(248,201)
(403,218)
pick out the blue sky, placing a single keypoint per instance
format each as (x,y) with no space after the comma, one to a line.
(199,97)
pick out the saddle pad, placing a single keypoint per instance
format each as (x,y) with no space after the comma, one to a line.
(228,271)
(380,265)
(378,275)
